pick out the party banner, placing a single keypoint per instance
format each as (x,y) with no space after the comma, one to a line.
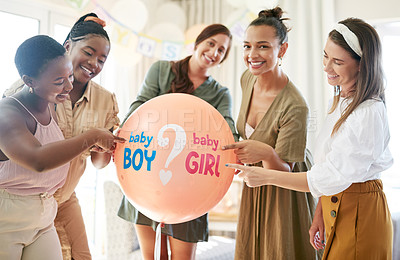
(146,46)
(123,28)
(171,51)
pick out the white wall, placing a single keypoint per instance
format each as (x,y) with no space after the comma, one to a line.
(369,10)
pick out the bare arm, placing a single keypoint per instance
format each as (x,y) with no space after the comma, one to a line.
(258,176)
(19,145)
(252,151)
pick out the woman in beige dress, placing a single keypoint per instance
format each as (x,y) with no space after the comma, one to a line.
(273,222)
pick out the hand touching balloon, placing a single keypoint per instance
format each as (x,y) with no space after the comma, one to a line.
(253,176)
(250,151)
(105,140)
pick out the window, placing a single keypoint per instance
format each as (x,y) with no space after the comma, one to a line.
(21,29)
(390,37)
(21,20)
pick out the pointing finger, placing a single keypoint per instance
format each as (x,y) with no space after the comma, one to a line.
(118,139)
(236,166)
(228,146)
(233,146)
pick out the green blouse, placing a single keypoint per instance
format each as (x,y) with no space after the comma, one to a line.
(158,82)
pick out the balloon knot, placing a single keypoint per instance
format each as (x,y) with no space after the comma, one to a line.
(162,225)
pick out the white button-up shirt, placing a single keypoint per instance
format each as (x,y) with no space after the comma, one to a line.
(358,152)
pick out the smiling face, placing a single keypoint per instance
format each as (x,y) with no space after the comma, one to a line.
(341,68)
(261,49)
(55,82)
(211,51)
(88,57)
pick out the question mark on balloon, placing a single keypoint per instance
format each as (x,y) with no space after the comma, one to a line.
(179,144)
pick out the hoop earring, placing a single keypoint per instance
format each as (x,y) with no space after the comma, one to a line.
(30,90)
(280,61)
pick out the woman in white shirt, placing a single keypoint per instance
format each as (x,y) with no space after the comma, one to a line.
(352,152)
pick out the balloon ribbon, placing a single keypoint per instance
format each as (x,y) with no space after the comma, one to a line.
(157,246)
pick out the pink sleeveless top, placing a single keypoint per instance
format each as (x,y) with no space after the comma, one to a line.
(18,180)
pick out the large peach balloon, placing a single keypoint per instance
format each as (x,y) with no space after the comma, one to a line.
(172,167)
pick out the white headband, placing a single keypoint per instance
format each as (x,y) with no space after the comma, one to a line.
(350,38)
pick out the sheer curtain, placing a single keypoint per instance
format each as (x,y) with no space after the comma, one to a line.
(311,21)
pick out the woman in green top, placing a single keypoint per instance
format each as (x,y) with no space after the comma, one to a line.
(189,75)
(273,222)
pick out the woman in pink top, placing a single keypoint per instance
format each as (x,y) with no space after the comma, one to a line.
(33,153)
(89,105)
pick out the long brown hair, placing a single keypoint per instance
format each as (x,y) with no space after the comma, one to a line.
(181,83)
(370,80)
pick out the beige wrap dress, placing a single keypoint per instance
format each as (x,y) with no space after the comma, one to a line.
(274,222)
